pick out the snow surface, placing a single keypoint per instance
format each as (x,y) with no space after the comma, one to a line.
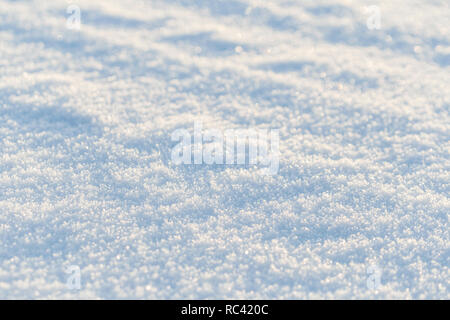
(86,177)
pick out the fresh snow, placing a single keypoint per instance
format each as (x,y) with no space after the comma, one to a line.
(87,180)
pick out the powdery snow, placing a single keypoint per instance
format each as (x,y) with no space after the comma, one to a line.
(86,177)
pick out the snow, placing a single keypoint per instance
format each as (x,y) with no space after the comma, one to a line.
(86,177)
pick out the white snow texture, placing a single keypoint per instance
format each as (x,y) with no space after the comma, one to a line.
(359,206)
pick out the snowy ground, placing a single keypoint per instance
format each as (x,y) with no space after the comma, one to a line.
(86,177)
